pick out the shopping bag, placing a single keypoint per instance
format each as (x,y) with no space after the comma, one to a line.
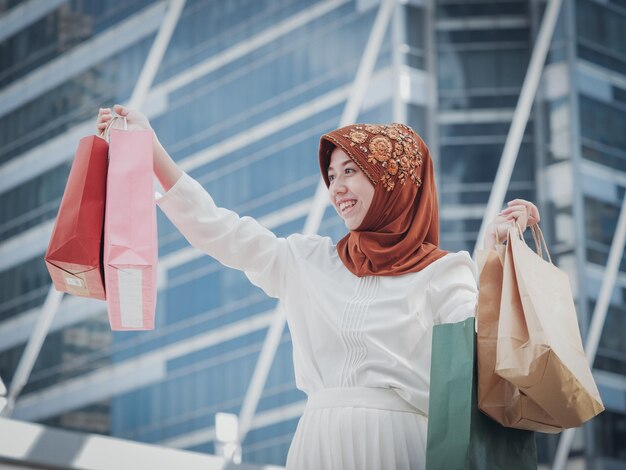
(130,232)
(498,398)
(459,436)
(539,346)
(74,254)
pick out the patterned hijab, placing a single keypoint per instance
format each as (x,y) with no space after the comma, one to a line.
(400,232)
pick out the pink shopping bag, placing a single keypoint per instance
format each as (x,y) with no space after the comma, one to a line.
(130,232)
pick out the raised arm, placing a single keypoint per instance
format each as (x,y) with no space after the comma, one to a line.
(237,242)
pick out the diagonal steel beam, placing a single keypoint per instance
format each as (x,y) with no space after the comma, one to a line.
(597,320)
(53,299)
(520,117)
(21,16)
(318,207)
(157,51)
(3,394)
(33,347)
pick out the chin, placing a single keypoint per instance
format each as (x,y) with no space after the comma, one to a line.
(351,226)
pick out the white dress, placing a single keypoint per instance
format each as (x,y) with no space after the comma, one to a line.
(361,346)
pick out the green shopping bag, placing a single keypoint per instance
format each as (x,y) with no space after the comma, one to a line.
(460,436)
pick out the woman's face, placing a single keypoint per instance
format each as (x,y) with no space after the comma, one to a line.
(350,191)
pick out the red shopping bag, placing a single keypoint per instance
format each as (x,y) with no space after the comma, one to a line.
(74,254)
(130,232)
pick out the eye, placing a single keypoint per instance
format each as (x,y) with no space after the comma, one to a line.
(331,178)
(350,169)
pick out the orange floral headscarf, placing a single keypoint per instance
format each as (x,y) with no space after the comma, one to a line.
(400,232)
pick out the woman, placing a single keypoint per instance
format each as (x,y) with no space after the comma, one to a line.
(360,313)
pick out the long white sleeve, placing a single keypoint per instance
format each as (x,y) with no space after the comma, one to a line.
(236,242)
(453,290)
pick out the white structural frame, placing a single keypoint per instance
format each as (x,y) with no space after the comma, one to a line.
(314,218)
(520,117)
(24,15)
(54,151)
(597,321)
(54,297)
(33,347)
(3,399)
(502,180)
(156,54)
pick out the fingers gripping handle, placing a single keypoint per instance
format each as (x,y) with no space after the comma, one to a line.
(107,129)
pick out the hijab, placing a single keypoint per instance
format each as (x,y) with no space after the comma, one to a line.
(400,231)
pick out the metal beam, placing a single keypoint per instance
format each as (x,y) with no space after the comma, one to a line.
(93,51)
(597,320)
(157,51)
(33,347)
(24,15)
(54,151)
(3,396)
(520,117)
(53,299)
(401,76)
(313,221)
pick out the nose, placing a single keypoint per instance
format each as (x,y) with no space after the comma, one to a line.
(336,190)
(338,187)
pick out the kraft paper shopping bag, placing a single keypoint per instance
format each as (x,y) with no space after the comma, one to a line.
(539,345)
(497,397)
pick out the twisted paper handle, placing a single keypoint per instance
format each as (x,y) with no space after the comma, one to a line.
(540,241)
(107,129)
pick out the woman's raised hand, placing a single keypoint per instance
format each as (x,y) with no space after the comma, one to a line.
(165,168)
(523,212)
(135,119)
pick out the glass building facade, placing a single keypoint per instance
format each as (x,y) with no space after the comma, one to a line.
(244,91)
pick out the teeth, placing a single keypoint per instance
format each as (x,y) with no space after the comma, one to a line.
(344,205)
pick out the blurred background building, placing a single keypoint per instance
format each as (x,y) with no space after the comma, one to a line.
(244,91)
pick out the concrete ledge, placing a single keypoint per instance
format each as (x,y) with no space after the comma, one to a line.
(29,445)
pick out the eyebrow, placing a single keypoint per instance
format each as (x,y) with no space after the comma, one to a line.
(345,162)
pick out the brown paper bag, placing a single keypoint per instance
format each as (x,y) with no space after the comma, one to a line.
(498,398)
(539,347)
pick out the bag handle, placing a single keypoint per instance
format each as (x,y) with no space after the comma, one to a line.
(521,234)
(538,234)
(540,241)
(107,130)
(538,245)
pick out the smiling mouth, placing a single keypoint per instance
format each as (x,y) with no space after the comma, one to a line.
(347,210)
